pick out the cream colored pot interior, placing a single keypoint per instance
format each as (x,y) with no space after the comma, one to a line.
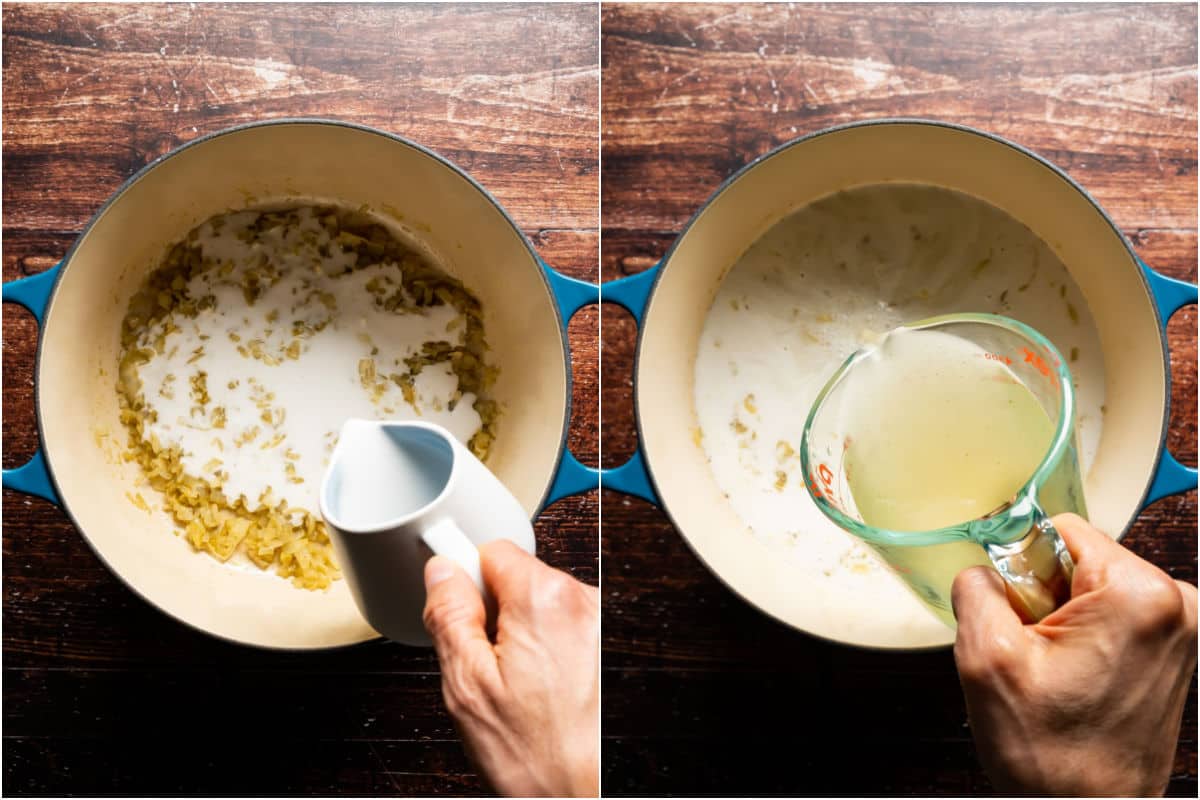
(432,204)
(900,152)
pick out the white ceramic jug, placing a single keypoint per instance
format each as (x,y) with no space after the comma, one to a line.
(396,493)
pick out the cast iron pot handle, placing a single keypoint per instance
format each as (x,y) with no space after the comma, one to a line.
(1170,295)
(571,295)
(33,292)
(631,293)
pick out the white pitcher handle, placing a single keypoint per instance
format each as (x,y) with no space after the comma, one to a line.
(447,539)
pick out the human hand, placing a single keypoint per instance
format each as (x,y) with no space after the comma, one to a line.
(527,706)
(1089,700)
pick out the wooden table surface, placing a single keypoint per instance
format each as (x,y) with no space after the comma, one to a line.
(102,693)
(703,694)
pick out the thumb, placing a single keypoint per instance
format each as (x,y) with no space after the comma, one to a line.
(454,613)
(988,626)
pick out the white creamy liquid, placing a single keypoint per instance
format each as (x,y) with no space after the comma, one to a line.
(382,475)
(816,287)
(315,392)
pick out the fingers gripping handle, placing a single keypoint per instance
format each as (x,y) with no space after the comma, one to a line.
(1170,295)
(446,539)
(33,293)
(1037,570)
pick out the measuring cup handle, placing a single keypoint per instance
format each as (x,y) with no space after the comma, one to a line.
(1037,569)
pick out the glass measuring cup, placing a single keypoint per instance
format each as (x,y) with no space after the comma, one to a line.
(1017,537)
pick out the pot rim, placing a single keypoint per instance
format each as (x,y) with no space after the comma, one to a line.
(754,163)
(128,183)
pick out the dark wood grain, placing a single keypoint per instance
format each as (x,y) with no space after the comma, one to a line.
(703,694)
(102,693)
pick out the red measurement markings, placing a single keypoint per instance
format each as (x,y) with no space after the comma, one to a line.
(1033,358)
(1030,358)
(820,484)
